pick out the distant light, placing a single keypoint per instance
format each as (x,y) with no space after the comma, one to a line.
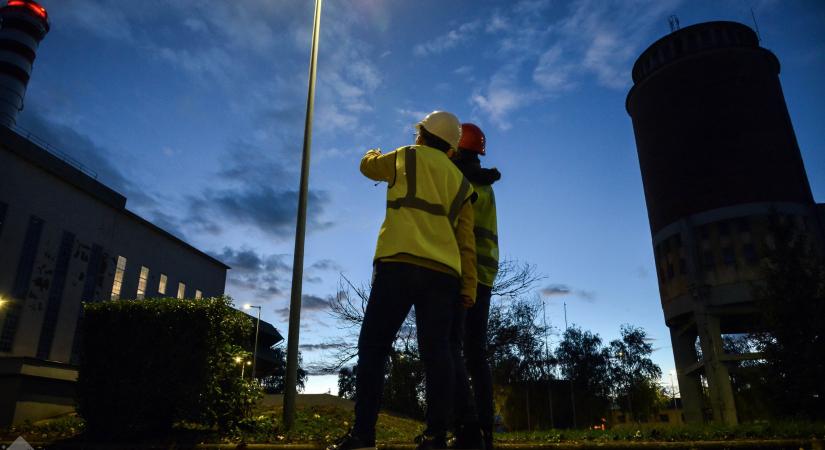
(238,359)
(3,301)
(32,6)
(247,306)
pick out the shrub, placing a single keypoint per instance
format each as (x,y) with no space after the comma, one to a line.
(147,364)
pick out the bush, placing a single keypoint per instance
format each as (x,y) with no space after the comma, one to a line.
(147,364)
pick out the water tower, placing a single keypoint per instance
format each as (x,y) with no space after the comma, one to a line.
(23,24)
(718,157)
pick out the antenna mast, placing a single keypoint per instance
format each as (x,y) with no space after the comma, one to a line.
(674,23)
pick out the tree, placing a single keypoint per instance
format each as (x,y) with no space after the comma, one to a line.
(515,342)
(274,379)
(583,361)
(346,382)
(792,305)
(633,374)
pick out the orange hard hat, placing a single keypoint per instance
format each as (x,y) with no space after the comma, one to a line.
(472,139)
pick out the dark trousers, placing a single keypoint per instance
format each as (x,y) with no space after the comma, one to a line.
(396,288)
(473,340)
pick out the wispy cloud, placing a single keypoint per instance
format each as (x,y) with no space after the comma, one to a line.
(559,290)
(449,40)
(592,41)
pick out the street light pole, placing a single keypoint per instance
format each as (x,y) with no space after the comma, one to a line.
(257,331)
(300,232)
(572,393)
(672,389)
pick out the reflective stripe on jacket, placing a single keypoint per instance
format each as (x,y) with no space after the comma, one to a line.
(423,204)
(486,233)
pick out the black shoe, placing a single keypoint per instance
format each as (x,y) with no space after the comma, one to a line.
(350,442)
(467,437)
(426,442)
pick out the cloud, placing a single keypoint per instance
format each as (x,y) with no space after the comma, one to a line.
(323,346)
(309,304)
(326,264)
(447,41)
(558,290)
(555,289)
(501,96)
(266,276)
(596,39)
(551,73)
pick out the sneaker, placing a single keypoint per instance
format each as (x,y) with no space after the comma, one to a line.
(350,442)
(467,438)
(426,442)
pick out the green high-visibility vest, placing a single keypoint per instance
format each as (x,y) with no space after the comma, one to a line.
(423,204)
(486,233)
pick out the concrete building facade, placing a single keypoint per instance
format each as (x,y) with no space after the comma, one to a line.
(65,238)
(718,158)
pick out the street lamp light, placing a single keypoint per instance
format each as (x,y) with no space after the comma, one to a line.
(257,330)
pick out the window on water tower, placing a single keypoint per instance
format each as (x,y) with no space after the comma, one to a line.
(117,284)
(162,284)
(181,290)
(142,281)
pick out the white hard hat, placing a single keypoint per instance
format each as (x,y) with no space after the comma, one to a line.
(444,125)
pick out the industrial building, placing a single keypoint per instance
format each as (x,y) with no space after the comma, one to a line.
(718,158)
(66,238)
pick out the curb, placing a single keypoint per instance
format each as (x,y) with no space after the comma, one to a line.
(790,444)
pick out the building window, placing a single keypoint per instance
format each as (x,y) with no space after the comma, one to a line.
(162,284)
(728,256)
(707,260)
(181,290)
(142,281)
(198,294)
(117,285)
(749,252)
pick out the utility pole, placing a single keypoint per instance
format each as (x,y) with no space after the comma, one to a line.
(300,233)
(572,393)
(546,368)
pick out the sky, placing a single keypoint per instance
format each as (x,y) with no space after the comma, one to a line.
(194,110)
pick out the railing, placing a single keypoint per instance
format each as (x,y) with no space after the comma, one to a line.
(54,151)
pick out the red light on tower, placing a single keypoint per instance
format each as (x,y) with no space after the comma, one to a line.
(31,6)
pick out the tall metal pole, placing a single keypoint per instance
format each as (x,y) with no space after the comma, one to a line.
(572,393)
(546,369)
(300,232)
(255,349)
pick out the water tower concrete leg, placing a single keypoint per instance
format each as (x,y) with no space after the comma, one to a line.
(690,390)
(719,386)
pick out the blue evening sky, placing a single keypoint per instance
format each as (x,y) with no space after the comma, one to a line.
(194,110)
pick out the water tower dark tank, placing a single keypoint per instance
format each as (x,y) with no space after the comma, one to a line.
(718,157)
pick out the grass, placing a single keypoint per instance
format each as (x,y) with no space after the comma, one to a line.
(324,424)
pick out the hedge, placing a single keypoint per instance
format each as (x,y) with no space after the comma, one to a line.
(147,364)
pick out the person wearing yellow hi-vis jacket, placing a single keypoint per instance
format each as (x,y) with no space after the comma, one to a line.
(425,257)
(474,426)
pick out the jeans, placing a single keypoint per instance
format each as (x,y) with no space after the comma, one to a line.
(396,288)
(475,355)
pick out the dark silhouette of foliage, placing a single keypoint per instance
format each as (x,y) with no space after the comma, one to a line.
(792,305)
(273,381)
(633,374)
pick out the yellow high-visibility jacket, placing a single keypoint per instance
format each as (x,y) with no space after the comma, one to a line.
(486,234)
(429,221)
